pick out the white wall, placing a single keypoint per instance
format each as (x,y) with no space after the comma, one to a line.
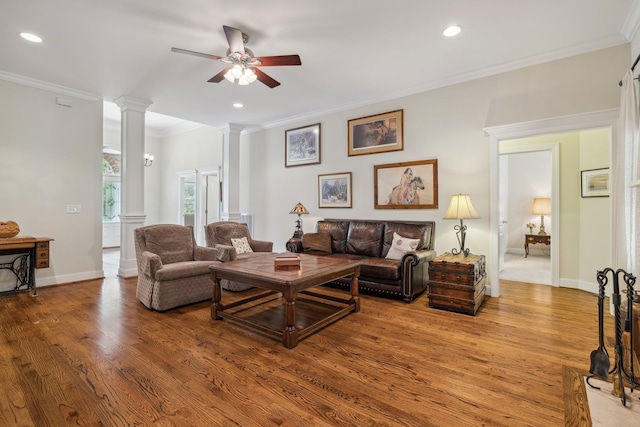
(51,156)
(189,151)
(446,124)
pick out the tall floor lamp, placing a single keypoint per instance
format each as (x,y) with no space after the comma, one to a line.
(461,208)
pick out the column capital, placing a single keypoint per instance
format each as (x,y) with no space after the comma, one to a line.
(131,103)
(232,129)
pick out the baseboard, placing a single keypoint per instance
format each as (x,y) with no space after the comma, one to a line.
(579,284)
(68,278)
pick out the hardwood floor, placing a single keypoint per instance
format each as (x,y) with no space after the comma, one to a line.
(90,354)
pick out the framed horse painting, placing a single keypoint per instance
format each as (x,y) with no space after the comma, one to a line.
(409,185)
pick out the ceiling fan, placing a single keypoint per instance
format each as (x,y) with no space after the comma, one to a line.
(242,63)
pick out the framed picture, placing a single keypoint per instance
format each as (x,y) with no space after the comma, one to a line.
(595,183)
(302,146)
(334,190)
(410,185)
(376,134)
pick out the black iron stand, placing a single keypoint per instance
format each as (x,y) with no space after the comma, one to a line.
(619,374)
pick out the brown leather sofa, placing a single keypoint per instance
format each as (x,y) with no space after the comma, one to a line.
(369,242)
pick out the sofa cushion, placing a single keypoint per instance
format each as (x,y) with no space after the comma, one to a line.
(338,231)
(365,238)
(387,269)
(242,245)
(401,245)
(316,242)
(422,231)
(170,243)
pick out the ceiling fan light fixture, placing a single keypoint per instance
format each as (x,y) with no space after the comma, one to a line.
(229,76)
(237,71)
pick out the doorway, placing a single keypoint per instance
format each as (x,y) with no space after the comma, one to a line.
(599,119)
(525,175)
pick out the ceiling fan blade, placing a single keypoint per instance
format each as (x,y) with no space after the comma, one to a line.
(190,52)
(269,81)
(219,77)
(267,61)
(234,37)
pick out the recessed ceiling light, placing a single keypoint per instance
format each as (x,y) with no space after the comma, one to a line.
(31,37)
(451,31)
(238,105)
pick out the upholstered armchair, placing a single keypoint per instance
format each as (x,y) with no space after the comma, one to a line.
(227,237)
(172,269)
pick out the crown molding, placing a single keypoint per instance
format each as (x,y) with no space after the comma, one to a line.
(39,84)
(632,23)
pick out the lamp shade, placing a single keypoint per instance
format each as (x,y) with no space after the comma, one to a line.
(542,206)
(299,209)
(461,208)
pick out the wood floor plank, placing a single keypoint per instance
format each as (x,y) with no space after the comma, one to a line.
(91,354)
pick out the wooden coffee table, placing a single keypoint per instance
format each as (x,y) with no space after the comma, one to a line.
(274,313)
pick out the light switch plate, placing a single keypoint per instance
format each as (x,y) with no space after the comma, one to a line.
(73,209)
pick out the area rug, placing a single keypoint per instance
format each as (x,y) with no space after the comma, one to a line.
(607,410)
(585,406)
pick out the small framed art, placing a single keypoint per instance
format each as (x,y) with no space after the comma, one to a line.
(334,190)
(302,146)
(409,185)
(376,134)
(595,182)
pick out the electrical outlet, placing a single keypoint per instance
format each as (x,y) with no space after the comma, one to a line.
(73,209)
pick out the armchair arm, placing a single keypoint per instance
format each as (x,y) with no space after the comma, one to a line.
(261,245)
(150,263)
(202,253)
(294,245)
(226,253)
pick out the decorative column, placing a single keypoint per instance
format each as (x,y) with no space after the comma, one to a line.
(132,213)
(231,172)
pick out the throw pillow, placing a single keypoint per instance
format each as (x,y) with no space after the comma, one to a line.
(400,246)
(316,242)
(242,245)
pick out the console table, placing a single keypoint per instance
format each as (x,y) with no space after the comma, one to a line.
(535,238)
(32,253)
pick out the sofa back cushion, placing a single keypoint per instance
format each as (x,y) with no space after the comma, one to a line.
(365,238)
(316,242)
(338,231)
(410,230)
(172,243)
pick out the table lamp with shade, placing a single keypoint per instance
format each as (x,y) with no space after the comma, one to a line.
(299,209)
(542,207)
(461,208)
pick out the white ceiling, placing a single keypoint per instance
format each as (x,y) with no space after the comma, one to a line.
(353,52)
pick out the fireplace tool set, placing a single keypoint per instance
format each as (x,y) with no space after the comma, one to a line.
(600,362)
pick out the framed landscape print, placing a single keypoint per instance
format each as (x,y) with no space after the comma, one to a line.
(376,134)
(334,190)
(409,185)
(302,146)
(595,183)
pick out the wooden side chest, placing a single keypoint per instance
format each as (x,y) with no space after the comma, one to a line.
(457,283)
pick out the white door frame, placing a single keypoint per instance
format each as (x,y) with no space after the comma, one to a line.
(576,122)
(201,199)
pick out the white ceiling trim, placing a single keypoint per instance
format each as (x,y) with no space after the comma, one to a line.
(632,23)
(39,84)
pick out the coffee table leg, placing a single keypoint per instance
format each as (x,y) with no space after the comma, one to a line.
(290,333)
(355,290)
(217,296)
